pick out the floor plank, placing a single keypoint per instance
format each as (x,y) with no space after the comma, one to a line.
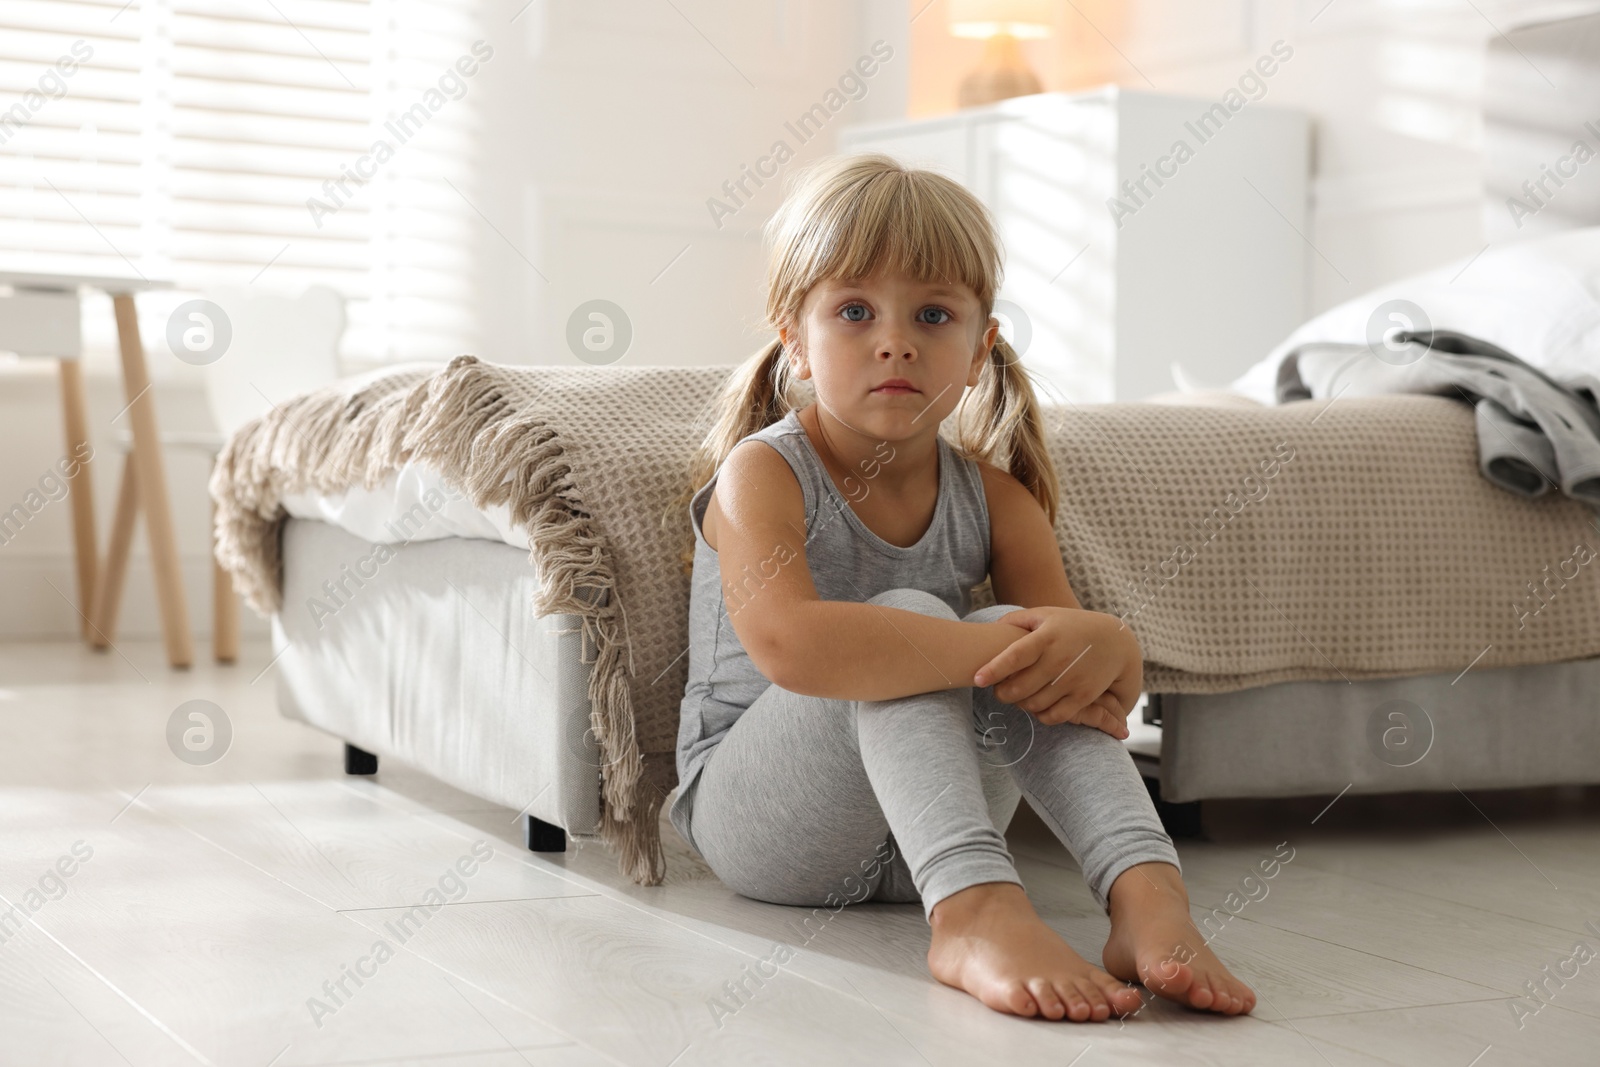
(1464,1034)
(1295,975)
(224,960)
(216,900)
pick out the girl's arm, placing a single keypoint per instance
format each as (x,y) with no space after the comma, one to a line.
(828,648)
(1025,565)
(1081,666)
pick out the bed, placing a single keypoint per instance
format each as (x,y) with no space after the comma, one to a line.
(502,711)
(519,731)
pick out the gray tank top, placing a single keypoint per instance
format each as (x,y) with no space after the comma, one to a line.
(847,562)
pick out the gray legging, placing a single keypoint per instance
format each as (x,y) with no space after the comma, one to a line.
(812,800)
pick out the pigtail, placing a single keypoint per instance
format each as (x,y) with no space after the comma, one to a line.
(1006,425)
(757,394)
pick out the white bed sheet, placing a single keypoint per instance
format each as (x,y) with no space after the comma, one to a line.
(1538,300)
(415,503)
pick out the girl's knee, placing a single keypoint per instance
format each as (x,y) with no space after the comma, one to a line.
(918,600)
(993,613)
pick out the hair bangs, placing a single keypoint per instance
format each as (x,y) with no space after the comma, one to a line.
(915,224)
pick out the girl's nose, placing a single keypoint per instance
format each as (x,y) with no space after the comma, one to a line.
(893,346)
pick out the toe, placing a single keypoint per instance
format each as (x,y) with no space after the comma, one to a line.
(1078,1009)
(1240,994)
(1099,1006)
(1050,1004)
(1018,1001)
(1200,995)
(1167,976)
(1221,1000)
(1122,998)
(1163,973)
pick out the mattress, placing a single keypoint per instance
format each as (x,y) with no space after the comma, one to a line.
(414,503)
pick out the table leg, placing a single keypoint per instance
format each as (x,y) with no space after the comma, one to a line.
(108,597)
(152,483)
(224,606)
(75,420)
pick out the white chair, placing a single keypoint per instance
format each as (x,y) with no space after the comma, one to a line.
(280,346)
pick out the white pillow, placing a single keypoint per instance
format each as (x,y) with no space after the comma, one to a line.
(1538,300)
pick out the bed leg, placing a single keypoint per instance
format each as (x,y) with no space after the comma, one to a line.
(542,837)
(359,761)
(1179,820)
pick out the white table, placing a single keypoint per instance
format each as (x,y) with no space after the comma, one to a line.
(41,319)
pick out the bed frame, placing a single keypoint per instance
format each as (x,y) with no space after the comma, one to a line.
(501,710)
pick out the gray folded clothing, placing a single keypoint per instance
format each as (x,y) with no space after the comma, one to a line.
(1533,431)
(1513,453)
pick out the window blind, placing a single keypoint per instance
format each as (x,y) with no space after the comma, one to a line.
(230,142)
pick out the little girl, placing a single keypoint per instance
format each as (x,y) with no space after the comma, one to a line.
(850,728)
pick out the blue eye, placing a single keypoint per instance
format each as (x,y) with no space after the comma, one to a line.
(845,311)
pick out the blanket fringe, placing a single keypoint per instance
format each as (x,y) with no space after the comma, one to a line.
(460,422)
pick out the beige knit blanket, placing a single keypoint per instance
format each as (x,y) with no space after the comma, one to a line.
(1244,546)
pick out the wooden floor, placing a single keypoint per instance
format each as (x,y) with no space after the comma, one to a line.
(253,912)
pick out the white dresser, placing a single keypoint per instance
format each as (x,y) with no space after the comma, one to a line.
(1125,252)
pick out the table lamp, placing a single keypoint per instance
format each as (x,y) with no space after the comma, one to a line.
(1000,24)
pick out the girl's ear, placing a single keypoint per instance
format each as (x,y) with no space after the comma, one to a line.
(799,366)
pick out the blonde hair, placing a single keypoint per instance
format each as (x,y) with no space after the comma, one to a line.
(846,218)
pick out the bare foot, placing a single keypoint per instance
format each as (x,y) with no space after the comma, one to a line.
(1153,940)
(988,941)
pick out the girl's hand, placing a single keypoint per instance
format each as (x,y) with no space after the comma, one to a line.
(1075,666)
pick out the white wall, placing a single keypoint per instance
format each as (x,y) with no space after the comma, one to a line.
(644,117)
(1394,88)
(609,124)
